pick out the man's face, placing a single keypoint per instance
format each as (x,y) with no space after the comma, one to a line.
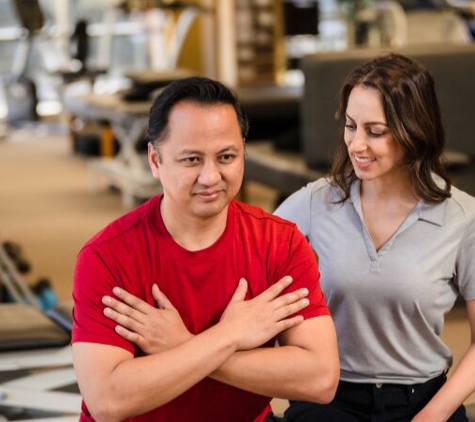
(201,162)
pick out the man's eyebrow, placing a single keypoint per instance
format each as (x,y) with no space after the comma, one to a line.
(189,152)
(230,148)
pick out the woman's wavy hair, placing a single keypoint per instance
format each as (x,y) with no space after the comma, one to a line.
(413,115)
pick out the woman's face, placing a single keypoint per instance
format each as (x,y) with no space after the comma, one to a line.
(373,151)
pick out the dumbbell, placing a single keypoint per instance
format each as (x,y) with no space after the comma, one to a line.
(14,251)
(45,293)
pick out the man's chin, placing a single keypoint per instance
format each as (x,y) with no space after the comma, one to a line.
(210,209)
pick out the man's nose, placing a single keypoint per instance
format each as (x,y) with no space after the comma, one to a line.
(210,173)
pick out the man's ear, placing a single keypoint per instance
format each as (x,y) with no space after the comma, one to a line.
(153,160)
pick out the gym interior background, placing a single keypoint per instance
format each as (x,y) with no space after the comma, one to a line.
(77,76)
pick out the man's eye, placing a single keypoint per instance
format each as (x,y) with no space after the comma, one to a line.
(227,158)
(190,160)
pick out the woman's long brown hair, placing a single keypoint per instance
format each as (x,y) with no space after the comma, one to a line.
(413,115)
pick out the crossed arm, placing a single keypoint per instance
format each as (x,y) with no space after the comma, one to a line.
(115,385)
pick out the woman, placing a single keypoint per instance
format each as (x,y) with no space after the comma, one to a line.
(396,243)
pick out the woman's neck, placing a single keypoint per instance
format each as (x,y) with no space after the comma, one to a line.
(394,190)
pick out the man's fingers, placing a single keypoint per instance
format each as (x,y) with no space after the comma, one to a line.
(286,311)
(287,323)
(156,294)
(121,319)
(122,308)
(161,298)
(276,289)
(131,300)
(115,316)
(291,297)
(130,336)
(240,292)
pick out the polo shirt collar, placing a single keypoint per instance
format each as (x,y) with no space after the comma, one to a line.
(432,213)
(355,197)
(355,192)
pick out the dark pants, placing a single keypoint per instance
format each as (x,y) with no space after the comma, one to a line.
(372,403)
(272,418)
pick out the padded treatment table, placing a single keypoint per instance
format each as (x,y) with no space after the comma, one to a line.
(128,170)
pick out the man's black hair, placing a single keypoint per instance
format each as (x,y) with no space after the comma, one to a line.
(200,90)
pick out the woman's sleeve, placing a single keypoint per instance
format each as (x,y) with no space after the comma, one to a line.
(465,266)
(296,208)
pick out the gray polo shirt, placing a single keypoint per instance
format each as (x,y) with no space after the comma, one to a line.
(389,305)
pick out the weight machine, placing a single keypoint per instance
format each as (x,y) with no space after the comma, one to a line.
(36,375)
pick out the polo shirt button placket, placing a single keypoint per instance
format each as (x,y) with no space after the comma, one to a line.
(374,265)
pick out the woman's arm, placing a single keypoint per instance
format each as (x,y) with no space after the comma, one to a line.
(459,385)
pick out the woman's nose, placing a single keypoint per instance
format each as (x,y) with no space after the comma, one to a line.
(358,142)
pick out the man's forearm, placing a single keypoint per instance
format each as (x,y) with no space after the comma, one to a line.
(115,389)
(290,371)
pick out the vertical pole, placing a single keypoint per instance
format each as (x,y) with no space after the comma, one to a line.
(226,36)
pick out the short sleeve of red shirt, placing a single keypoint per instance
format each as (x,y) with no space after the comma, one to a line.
(88,308)
(284,249)
(301,264)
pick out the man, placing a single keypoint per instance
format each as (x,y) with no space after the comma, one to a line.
(227,279)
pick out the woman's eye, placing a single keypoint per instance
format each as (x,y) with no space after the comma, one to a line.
(376,134)
(350,126)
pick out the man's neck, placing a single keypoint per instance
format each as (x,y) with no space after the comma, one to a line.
(194,233)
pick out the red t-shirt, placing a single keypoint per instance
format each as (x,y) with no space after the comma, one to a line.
(136,251)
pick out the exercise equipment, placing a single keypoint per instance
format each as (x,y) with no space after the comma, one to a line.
(16,289)
(45,294)
(79,48)
(15,253)
(36,375)
(20,90)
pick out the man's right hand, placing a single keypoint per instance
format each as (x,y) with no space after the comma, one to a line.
(258,320)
